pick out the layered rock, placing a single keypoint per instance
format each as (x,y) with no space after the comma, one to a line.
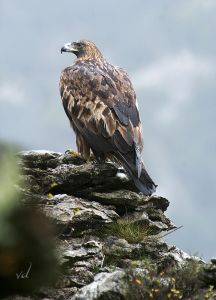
(109,235)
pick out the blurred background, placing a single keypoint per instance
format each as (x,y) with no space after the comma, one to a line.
(27,237)
(167,47)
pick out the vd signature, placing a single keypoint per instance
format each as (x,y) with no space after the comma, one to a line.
(24,274)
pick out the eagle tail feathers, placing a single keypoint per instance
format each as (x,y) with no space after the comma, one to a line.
(141,178)
(144,183)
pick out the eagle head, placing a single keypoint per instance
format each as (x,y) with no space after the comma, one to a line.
(83,49)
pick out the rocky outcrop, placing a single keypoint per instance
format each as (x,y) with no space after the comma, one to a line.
(109,236)
(105,286)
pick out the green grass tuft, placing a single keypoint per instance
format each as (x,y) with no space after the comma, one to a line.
(132,232)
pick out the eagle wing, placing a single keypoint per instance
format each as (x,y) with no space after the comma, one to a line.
(101,105)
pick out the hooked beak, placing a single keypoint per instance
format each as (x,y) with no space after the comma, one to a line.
(69,47)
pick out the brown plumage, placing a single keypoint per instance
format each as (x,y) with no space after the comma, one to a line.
(100,103)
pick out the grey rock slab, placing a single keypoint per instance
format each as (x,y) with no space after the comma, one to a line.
(83,251)
(81,261)
(47,171)
(112,286)
(152,218)
(119,198)
(79,214)
(116,247)
(156,202)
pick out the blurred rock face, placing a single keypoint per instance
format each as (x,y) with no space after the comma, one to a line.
(27,258)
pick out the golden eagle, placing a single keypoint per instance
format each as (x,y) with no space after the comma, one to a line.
(100,103)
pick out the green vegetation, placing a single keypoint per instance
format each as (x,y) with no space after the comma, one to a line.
(26,236)
(187,277)
(130,231)
(182,282)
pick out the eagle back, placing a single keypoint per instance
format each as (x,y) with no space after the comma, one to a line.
(100,97)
